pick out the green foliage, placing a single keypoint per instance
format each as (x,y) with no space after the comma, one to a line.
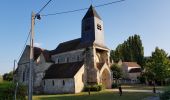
(7,90)
(8,76)
(130,50)
(93,88)
(165,95)
(115,85)
(116,71)
(158,66)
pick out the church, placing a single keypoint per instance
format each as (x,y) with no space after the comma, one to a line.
(73,64)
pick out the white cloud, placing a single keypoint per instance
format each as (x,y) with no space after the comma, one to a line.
(37,44)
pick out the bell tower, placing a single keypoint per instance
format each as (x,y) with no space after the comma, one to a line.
(92,27)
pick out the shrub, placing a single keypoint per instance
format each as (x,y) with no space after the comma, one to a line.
(115,85)
(7,91)
(165,95)
(93,88)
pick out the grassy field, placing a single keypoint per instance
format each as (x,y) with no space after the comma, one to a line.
(104,95)
(143,87)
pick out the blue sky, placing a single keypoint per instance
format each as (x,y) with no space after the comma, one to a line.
(148,18)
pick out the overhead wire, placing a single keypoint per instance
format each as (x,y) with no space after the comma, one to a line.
(25,43)
(71,11)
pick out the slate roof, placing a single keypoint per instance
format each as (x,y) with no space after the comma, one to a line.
(131,64)
(135,70)
(38,51)
(91,13)
(73,45)
(66,70)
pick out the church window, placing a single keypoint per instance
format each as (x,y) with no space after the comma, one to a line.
(44,82)
(99,27)
(53,82)
(78,58)
(23,77)
(63,82)
(67,59)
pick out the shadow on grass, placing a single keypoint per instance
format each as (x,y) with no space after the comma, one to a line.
(100,96)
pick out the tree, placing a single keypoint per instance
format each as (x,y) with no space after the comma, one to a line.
(116,72)
(8,76)
(158,65)
(130,50)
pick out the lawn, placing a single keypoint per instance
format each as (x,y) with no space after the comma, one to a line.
(104,95)
(143,87)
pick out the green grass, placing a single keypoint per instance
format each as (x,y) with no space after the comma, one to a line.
(143,87)
(104,95)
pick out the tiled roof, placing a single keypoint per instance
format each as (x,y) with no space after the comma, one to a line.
(135,70)
(66,70)
(131,64)
(91,13)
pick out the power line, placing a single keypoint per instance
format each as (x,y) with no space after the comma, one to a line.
(44,7)
(24,45)
(71,11)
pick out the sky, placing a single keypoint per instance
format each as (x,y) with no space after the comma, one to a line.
(148,18)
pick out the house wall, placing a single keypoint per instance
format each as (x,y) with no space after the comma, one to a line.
(79,79)
(133,76)
(54,86)
(71,56)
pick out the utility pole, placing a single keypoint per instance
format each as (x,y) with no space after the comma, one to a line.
(14,69)
(30,88)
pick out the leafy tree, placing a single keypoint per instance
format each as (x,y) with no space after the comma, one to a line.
(116,72)
(130,50)
(158,66)
(8,76)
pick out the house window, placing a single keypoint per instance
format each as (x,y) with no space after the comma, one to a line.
(63,82)
(53,82)
(99,27)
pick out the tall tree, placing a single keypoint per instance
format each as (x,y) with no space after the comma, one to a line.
(159,65)
(130,50)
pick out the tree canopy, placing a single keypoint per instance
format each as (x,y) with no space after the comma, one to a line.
(130,50)
(158,65)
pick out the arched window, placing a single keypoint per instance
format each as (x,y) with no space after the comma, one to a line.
(63,82)
(23,76)
(53,82)
(67,59)
(44,82)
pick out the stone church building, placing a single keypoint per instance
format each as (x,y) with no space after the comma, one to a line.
(73,64)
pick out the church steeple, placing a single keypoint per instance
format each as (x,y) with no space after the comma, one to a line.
(92,27)
(91,13)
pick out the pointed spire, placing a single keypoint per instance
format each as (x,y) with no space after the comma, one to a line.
(91,13)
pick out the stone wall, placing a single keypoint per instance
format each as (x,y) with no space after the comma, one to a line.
(54,86)
(79,79)
(71,56)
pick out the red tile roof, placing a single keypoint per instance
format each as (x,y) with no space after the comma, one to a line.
(131,64)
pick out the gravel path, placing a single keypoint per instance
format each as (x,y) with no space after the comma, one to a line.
(152,98)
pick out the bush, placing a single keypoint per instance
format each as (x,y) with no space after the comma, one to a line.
(165,95)
(93,88)
(7,91)
(115,85)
